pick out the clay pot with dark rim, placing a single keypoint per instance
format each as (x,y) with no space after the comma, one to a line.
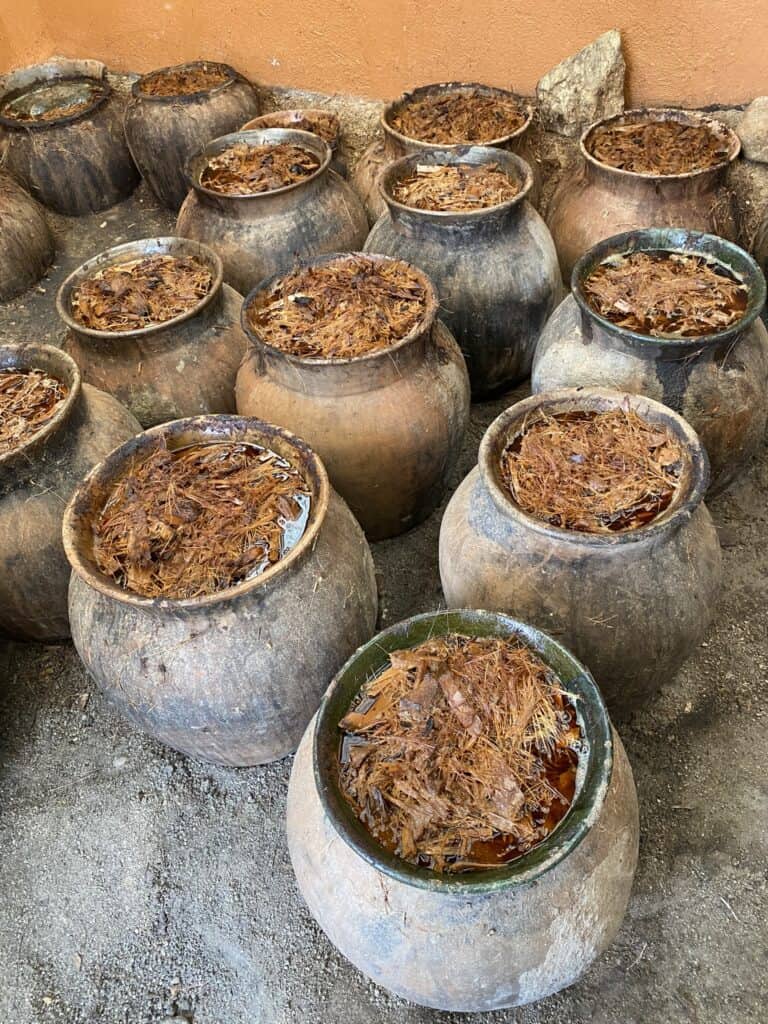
(388,425)
(27,248)
(260,234)
(597,201)
(182,367)
(718,382)
(302,119)
(76,164)
(631,605)
(481,940)
(36,481)
(165,132)
(495,269)
(232,677)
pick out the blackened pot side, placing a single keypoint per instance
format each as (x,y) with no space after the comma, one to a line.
(27,248)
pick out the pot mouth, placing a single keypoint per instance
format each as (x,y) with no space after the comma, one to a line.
(15,83)
(94,490)
(290,119)
(185,97)
(688,495)
(167,245)
(682,242)
(593,775)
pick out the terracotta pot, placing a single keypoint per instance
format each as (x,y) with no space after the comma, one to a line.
(303,120)
(631,605)
(596,201)
(718,382)
(483,940)
(388,425)
(76,164)
(393,145)
(233,677)
(182,367)
(36,481)
(26,243)
(259,235)
(165,132)
(495,270)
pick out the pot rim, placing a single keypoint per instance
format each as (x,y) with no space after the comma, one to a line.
(172,245)
(79,514)
(592,781)
(682,507)
(46,73)
(188,97)
(300,112)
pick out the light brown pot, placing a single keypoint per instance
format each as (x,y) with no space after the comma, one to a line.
(304,119)
(26,244)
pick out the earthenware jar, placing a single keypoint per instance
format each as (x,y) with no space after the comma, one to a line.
(26,243)
(597,201)
(718,382)
(164,132)
(306,119)
(76,163)
(260,234)
(232,677)
(36,481)
(388,425)
(482,940)
(495,269)
(631,605)
(181,367)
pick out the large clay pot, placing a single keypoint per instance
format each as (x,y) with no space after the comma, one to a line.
(259,235)
(718,382)
(483,940)
(182,367)
(305,119)
(75,164)
(26,243)
(235,676)
(36,481)
(596,201)
(165,132)
(393,145)
(388,425)
(631,605)
(495,270)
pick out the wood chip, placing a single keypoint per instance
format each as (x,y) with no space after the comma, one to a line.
(457,116)
(247,170)
(183,81)
(319,122)
(658,147)
(28,400)
(455,187)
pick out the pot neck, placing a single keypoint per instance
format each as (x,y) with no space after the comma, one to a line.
(641,185)
(478,224)
(261,203)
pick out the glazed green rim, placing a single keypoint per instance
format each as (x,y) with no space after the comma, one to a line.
(595,764)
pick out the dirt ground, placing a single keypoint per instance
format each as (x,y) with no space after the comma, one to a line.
(138,886)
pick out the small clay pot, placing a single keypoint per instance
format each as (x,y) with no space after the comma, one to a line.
(36,480)
(718,382)
(75,164)
(482,940)
(596,201)
(259,235)
(303,119)
(182,367)
(631,605)
(165,132)
(388,425)
(26,243)
(232,677)
(495,270)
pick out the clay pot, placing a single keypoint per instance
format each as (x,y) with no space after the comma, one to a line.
(36,481)
(483,940)
(631,605)
(259,235)
(495,270)
(393,145)
(718,382)
(596,201)
(235,676)
(165,132)
(182,367)
(388,425)
(76,164)
(303,120)
(26,243)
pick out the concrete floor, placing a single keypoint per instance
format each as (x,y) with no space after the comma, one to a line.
(138,886)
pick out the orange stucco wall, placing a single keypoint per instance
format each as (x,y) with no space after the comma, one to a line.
(695,51)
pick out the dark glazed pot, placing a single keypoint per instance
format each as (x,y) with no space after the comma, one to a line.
(597,201)
(388,425)
(26,244)
(482,940)
(303,119)
(233,677)
(182,367)
(718,382)
(495,270)
(76,164)
(259,235)
(36,481)
(633,605)
(165,132)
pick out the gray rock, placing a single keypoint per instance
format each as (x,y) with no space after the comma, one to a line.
(752,129)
